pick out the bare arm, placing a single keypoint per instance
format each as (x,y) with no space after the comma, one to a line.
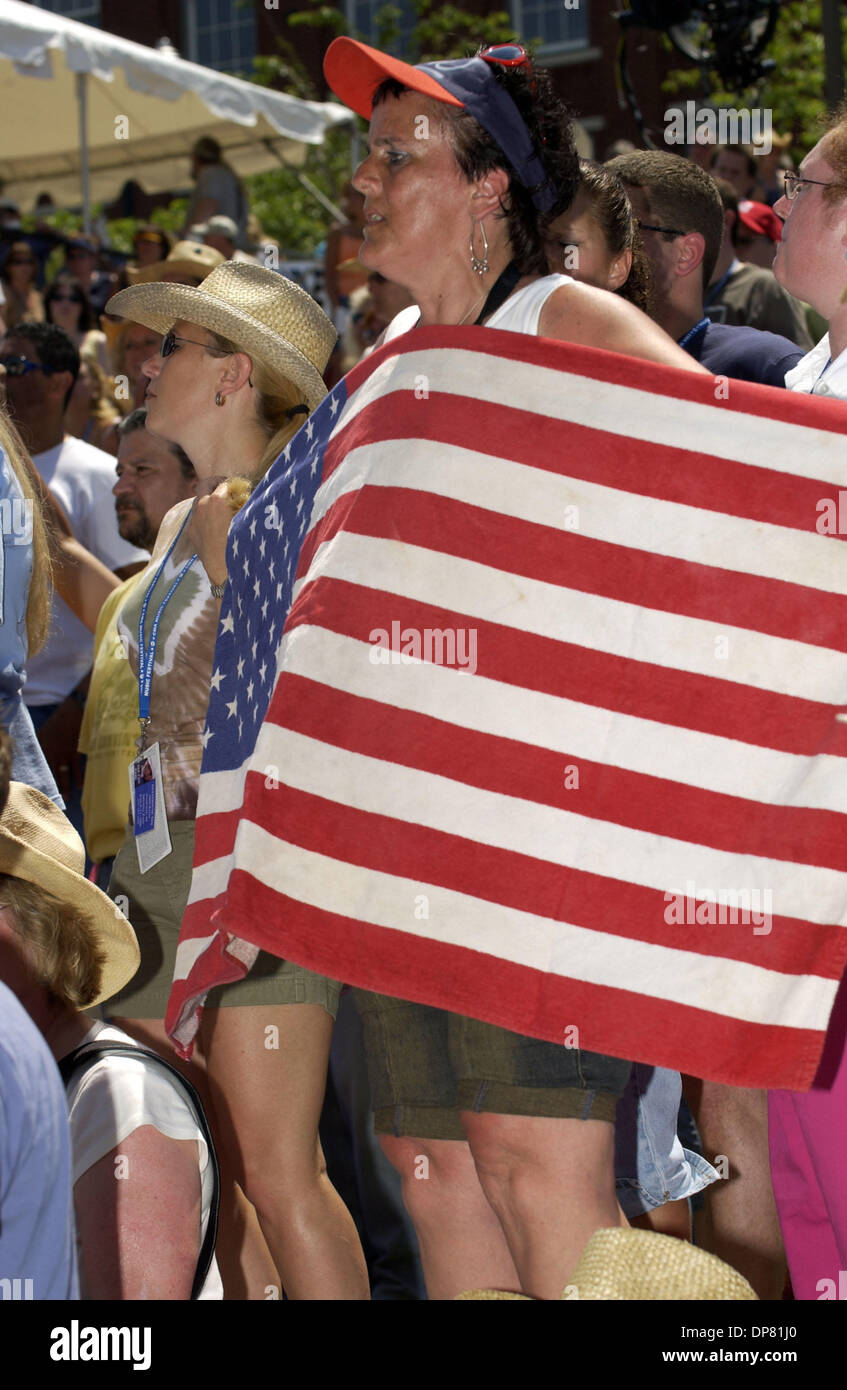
(82,580)
(138,1215)
(579,313)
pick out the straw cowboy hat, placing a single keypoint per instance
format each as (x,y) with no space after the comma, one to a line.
(622,1265)
(39,844)
(187,258)
(267,315)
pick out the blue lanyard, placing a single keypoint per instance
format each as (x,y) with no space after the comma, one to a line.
(147,654)
(717,287)
(827,365)
(692,332)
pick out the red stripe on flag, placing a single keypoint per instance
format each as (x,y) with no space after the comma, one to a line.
(533,886)
(703,704)
(468,982)
(653,805)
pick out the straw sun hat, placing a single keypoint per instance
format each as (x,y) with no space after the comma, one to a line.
(268,316)
(622,1265)
(187,258)
(39,844)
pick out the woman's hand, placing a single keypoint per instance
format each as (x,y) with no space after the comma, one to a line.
(210,521)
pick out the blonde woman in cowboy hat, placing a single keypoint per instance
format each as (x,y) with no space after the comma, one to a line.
(63,948)
(238,371)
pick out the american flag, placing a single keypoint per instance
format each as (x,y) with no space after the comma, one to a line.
(528,703)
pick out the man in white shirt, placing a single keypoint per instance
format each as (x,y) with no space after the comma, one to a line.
(41,364)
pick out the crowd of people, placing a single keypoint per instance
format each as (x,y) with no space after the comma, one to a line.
(140,413)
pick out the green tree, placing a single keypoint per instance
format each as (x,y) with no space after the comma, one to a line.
(793,91)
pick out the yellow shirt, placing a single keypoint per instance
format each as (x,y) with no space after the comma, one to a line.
(109,730)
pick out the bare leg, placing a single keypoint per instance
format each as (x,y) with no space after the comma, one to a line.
(244,1261)
(551,1183)
(740,1222)
(670,1219)
(461,1240)
(268,1100)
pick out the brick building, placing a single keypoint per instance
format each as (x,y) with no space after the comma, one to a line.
(579,42)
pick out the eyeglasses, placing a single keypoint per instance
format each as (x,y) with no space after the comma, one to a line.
(792,184)
(64,299)
(666,231)
(20,366)
(508,55)
(19,260)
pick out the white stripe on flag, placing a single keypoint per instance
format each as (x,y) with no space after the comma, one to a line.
(587,620)
(554,836)
(703,537)
(577,730)
(536,942)
(612,407)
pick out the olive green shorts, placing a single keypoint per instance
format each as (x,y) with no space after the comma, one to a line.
(426,1066)
(154,903)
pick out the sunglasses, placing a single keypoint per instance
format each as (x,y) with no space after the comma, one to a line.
(64,299)
(20,366)
(19,260)
(508,55)
(171,339)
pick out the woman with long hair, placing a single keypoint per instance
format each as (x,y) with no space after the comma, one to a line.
(596,239)
(91,413)
(67,304)
(17,276)
(237,371)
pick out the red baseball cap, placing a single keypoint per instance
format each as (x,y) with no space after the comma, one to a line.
(759,218)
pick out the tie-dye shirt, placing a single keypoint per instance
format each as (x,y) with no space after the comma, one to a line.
(182,670)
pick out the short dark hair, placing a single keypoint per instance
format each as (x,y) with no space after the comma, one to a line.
(729,199)
(137,420)
(549,127)
(53,345)
(679,194)
(737,149)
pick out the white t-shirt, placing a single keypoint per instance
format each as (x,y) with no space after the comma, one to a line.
(82,479)
(116,1096)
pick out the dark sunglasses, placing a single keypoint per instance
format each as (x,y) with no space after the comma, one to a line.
(171,339)
(20,366)
(19,260)
(64,299)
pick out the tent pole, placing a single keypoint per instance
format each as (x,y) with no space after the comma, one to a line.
(304,179)
(82,103)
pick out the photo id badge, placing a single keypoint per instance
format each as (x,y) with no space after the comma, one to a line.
(150,823)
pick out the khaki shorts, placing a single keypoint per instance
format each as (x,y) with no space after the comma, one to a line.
(426,1066)
(155,903)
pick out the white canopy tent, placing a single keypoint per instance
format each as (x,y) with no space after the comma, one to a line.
(83,111)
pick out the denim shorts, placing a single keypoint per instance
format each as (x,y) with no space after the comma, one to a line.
(426,1065)
(651,1165)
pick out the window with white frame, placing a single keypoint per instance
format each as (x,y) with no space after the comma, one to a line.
(221,34)
(86,11)
(367,18)
(559,24)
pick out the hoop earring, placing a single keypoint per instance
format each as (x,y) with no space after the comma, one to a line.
(219,398)
(479,265)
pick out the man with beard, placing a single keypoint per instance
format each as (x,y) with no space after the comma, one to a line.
(153,475)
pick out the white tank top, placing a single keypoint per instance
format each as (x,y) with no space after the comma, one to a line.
(519,314)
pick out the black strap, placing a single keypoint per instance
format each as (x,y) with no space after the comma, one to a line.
(500,291)
(87,1054)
